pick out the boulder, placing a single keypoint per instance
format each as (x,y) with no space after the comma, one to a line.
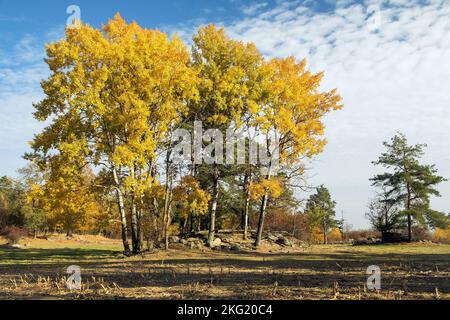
(284,241)
(272,237)
(365,242)
(216,243)
(160,245)
(235,247)
(174,239)
(393,237)
(199,245)
(193,243)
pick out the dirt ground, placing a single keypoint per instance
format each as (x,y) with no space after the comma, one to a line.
(38,270)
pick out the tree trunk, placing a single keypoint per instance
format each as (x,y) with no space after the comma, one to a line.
(140,231)
(134,226)
(262,214)
(247,182)
(136,239)
(168,222)
(408,208)
(213,209)
(264,201)
(140,234)
(185,223)
(325,236)
(123,218)
(69,233)
(167,201)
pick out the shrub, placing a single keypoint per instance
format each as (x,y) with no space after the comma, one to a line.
(335,236)
(279,220)
(419,234)
(441,235)
(363,234)
(13,234)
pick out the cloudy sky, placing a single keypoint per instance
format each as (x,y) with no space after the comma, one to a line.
(390,60)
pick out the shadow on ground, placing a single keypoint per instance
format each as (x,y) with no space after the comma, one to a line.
(235,272)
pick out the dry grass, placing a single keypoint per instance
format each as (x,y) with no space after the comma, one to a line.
(38,271)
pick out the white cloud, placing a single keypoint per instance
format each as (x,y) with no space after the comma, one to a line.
(253,8)
(389,61)
(393,77)
(21,70)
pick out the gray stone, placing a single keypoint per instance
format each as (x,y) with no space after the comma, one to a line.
(284,241)
(174,239)
(272,237)
(216,243)
(235,247)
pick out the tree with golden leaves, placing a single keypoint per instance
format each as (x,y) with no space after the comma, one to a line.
(67,192)
(228,78)
(291,115)
(118,90)
(192,198)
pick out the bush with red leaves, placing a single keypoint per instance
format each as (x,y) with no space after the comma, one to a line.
(13,234)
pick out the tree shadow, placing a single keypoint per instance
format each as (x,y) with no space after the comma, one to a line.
(235,271)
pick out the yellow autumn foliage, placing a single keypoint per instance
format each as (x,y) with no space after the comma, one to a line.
(193,199)
(116,94)
(442,235)
(273,186)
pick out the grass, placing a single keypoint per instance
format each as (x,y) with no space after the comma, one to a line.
(38,271)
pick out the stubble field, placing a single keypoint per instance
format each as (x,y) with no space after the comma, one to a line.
(38,270)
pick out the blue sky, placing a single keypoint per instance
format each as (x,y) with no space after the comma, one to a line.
(389,60)
(24,17)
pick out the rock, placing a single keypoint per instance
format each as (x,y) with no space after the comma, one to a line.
(198,245)
(216,243)
(235,247)
(303,244)
(365,242)
(174,239)
(192,245)
(272,237)
(202,236)
(226,239)
(284,241)
(150,245)
(160,245)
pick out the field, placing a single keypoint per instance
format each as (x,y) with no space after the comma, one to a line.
(37,270)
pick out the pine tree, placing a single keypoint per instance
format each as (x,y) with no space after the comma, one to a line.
(320,211)
(409,182)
